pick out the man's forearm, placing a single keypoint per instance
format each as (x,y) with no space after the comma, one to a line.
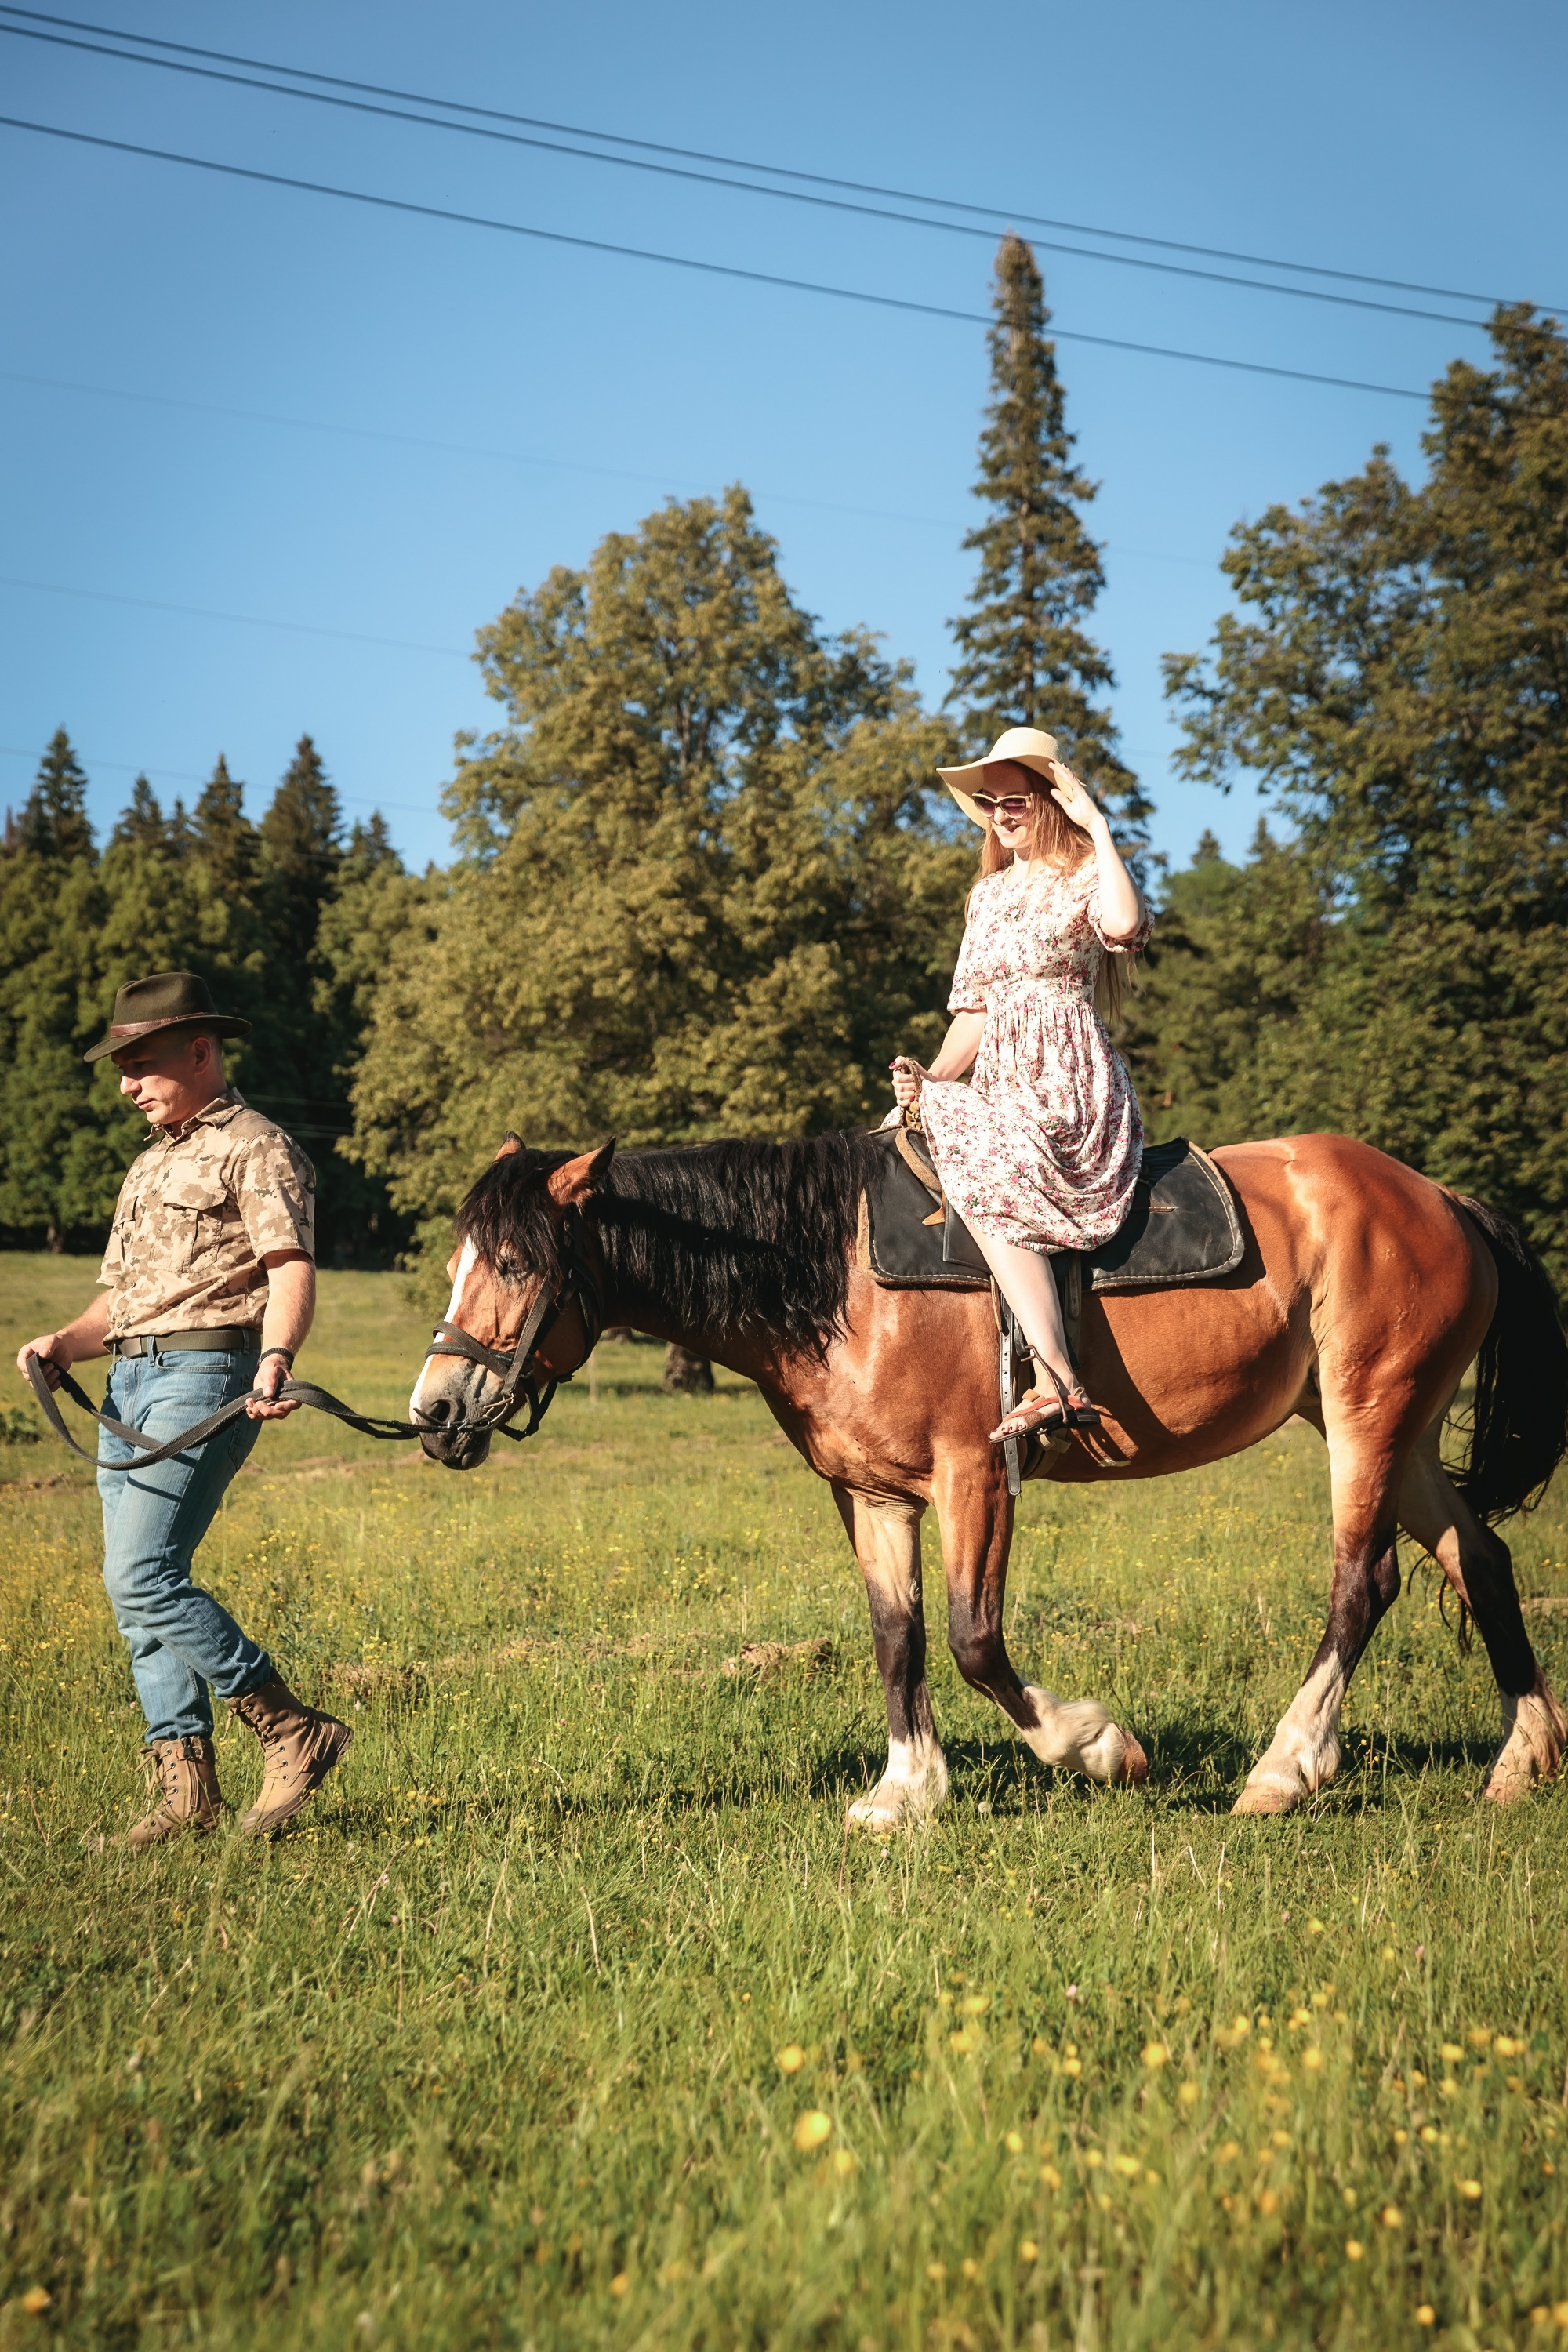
(290,1305)
(88,1336)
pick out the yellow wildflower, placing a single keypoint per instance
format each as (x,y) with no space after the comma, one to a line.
(1029,2252)
(1313,2060)
(811,2130)
(1268,2202)
(976,2004)
(1014,2143)
(1127,2166)
(1156,2055)
(936,2272)
(37,2299)
(1353,2250)
(790,2059)
(1470,2188)
(1424,2316)
(845,2162)
(1450,2052)
(1391,2216)
(1093,2159)
(971,2269)
(1049,2177)
(620,2285)
(1189,2094)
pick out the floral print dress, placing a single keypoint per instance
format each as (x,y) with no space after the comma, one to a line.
(1042,1144)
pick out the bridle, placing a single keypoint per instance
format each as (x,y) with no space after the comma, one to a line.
(516,1372)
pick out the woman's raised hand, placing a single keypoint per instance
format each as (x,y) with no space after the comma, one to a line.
(1073,798)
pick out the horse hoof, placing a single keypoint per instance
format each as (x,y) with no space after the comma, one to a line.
(1268,1796)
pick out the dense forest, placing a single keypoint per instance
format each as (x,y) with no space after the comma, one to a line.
(702,883)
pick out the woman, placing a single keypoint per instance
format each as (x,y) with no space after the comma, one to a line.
(1041,1151)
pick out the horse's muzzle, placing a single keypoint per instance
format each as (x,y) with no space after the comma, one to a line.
(459,1448)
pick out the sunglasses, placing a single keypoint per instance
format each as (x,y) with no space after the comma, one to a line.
(1005,803)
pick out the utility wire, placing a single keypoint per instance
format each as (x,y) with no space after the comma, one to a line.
(747,187)
(248,619)
(685,261)
(994,213)
(665,482)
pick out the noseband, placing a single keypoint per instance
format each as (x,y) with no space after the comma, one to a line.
(515,1371)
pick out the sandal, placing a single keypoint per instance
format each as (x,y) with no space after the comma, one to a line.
(1035,1415)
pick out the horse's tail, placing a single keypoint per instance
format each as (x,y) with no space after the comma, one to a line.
(1518,1427)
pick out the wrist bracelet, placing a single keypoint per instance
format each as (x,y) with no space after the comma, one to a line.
(287,1354)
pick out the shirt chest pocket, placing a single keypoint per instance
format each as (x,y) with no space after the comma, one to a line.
(186,1219)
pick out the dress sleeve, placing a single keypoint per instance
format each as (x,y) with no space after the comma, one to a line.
(968,993)
(1140,940)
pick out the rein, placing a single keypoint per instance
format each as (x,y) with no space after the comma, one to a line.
(516,1372)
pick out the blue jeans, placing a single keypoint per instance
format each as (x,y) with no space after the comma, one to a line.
(153,1521)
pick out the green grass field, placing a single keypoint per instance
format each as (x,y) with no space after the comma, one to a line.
(570,2018)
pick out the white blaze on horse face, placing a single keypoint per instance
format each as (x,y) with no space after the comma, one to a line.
(443,1379)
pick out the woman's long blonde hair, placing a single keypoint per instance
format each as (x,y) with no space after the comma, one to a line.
(1055,840)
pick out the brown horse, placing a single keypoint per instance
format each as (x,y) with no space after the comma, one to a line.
(1365,1293)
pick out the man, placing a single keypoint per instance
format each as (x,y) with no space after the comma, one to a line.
(209,1290)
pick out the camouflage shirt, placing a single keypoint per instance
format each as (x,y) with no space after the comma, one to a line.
(196,1213)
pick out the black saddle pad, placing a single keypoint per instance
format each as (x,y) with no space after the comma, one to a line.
(1183,1224)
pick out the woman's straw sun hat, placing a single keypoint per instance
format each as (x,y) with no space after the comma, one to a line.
(1031,747)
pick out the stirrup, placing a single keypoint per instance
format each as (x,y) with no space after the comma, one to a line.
(1035,1415)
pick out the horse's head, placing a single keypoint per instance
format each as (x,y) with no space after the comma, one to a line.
(512,1267)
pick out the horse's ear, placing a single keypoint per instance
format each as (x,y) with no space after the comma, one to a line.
(570,1184)
(514,1143)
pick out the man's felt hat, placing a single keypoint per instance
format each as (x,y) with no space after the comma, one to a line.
(1031,747)
(169,1000)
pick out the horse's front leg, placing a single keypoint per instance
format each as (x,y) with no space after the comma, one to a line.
(884,1530)
(1076,1735)
(1304,1754)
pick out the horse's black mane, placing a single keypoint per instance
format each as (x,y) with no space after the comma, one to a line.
(717,1237)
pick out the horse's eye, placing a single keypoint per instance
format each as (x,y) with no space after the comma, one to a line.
(507,1268)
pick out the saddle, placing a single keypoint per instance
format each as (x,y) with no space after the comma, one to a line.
(1183,1226)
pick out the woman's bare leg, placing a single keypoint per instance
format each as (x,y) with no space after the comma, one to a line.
(1025,1278)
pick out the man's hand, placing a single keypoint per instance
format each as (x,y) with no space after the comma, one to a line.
(53,1351)
(271,1373)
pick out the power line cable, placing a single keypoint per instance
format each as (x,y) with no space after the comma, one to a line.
(747,187)
(994,213)
(685,261)
(528,457)
(248,619)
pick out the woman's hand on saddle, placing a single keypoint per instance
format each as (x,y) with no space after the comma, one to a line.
(908,1078)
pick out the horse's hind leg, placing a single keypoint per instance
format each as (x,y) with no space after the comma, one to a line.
(884,1530)
(1478,1565)
(1075,1734)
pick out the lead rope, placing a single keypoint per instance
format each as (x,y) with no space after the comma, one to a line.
(449,1339)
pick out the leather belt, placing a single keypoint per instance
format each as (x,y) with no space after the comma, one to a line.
(231,1338)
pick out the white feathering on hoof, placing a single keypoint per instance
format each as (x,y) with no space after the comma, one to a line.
(1533,1736)
(913,1786)
(1078,1736)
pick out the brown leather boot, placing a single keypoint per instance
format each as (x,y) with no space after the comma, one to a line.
(300,1745)
(191,1798)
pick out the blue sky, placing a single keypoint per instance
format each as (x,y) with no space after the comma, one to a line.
(269,407)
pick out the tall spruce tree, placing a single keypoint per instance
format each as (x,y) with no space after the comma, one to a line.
(301,851)
(142,820)
(223,836)
(1024,659)
(54,822)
